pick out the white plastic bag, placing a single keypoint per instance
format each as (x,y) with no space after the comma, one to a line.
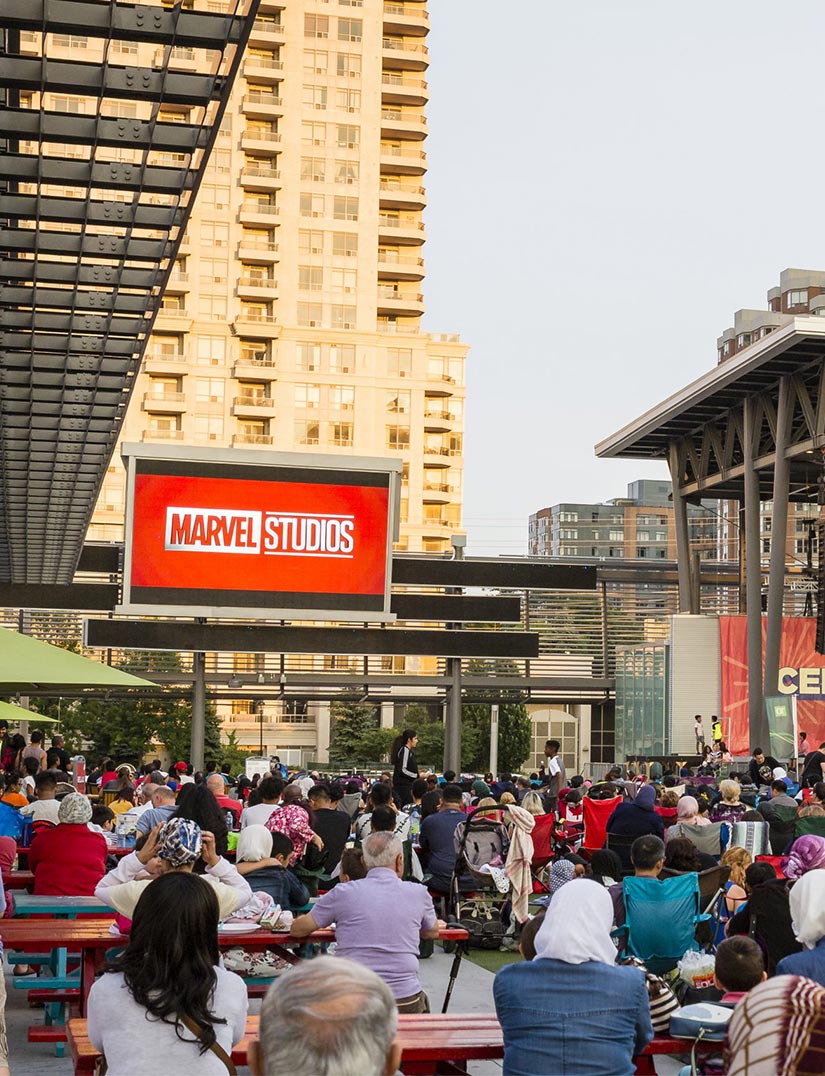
(697,969)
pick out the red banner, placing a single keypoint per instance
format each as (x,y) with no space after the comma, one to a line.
(801,674)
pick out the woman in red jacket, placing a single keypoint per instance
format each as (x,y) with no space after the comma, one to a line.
(68,859)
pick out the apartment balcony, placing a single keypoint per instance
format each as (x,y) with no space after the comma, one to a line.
(261,105)
(401,89)
(412,19)
(247,368)
(407,160)
(258,213)
(177,283)
(180,59)
(173,320)
(263,326)
(439,388)
(253,407)
(260,178)
(247,439)
(404,54)
(437,455)
(168,403)
(398,194)
(439,420)
(264,251)
(162,435)
(257,287)
(163,362)
(259,69)
(392,266)
(252,138)
(266,31)
(437,493)
(391,302)
(403,123)
(400,230)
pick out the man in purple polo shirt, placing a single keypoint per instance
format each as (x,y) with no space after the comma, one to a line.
(380,920)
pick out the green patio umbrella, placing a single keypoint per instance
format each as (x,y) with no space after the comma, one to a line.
(15,714)
(28,666)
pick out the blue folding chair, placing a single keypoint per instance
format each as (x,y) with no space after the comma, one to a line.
(661,917)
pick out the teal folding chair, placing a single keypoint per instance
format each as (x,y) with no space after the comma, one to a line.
(661,917)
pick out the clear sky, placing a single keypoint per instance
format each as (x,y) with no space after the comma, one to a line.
(608,182)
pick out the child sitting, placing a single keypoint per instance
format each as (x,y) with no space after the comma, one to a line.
(352,866)
(740,966)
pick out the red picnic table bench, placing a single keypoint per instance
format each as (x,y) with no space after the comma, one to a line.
(430,1042)
(18,880)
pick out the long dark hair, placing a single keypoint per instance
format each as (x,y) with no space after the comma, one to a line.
(197,803)
(169,961)
(399,743)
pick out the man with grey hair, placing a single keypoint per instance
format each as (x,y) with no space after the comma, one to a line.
(380,920)
(327,1017)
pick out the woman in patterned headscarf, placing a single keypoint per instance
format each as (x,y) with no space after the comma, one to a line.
(778,1029)
(175,845)
(807,854)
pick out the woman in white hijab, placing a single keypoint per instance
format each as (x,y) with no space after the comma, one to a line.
(574,984)
(807,900)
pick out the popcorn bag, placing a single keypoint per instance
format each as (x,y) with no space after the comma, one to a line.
(697,969)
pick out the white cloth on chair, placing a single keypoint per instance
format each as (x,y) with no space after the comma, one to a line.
(519,859)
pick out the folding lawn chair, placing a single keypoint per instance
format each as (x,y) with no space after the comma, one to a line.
(621,845)
(752,836)
(596,814)
(661,919)
(813,824)
(542,849)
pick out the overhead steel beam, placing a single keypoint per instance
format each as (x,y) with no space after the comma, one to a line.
(45,126)
(499,573)
(263,639)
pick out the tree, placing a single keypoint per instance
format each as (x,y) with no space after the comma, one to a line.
(351,722)
(514,725)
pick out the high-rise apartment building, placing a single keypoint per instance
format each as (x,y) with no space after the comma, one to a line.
(292,319)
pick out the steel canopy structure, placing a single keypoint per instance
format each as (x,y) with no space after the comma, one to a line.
(751,429)
(91,217)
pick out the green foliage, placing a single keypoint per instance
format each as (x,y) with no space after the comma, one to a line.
(350,723)
(231,753)
(514,725)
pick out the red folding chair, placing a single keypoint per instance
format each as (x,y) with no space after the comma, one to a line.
(596,814)
(542,848)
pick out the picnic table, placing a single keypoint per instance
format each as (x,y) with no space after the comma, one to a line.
(18,879)
(428,1040)
(60,907)
(90,938)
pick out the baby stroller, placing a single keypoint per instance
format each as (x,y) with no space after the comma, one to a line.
(479,887)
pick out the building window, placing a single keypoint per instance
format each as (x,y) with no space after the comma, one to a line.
(347,136)
(341,358)
(345,208)
(315,97)
(342,397)
(312,205)
(212,306)
(209,389)
(313,134)
(341,434)
(615,536)
(308,356)
(399,361)
(310,315)
(310,278)
(314,168)
(316,25)
(798,298)
(350,29)
(344,244)
(307,433)
(346,172)
(316,62)
(398,437)
(310,242)
(211,351)
(398,402)
(307,396)
(209,427)
(348,64)
(348,100)
(342,317)
(343,281)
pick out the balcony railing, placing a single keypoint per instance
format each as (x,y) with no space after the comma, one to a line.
(400,222)
(390,293)
(165,435)
(393,44)
(257,282)
(166,397)
(256,171)
(394,186)
(165,356)
(255,97)
(266,25)
(260,207)
(391,78)
(406,9)
(260,135)
(400,151)
(252,439)
(254,401)
(398,259)
(269,65)
(173,311)
(258,244)
(246,360)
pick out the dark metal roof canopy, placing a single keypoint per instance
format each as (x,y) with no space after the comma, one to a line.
(87,242)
